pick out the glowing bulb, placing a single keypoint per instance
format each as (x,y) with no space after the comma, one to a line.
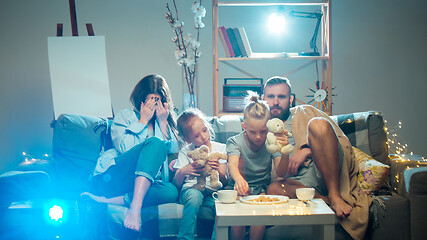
(276,22)
(56,212)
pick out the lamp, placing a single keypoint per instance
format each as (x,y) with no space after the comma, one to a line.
(315,15)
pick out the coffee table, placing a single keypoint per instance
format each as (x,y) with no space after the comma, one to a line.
(293,212)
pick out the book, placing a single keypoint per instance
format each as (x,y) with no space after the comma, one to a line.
(224,44)
(245,41)
(240,42)
(227,41)
(233,42)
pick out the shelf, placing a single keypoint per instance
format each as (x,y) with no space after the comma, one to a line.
(272,58)
(325,44)
(266,4)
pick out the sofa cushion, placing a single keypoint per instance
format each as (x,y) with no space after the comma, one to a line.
(390,218)
(372,174)
(415,187)
(418,200)
(399,165)
(226,126)
(77,143)
(366,131)
(23,185)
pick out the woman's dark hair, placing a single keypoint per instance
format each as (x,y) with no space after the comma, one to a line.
(154,84)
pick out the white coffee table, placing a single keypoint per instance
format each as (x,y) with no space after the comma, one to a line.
(294,212)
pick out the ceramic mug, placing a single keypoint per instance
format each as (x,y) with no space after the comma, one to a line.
(305,194)
(225,196)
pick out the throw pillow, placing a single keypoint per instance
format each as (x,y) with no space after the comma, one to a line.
(226,126)
(77,143)
(372,173)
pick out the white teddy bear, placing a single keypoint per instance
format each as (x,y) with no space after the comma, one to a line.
(276,125)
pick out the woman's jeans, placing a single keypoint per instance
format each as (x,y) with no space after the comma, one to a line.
(144,160)
(192,199)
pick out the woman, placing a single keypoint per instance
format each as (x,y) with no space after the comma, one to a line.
(142,137)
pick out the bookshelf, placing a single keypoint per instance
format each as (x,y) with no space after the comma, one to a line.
(324,51)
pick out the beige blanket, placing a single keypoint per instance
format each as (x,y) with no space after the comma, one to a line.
(357,222)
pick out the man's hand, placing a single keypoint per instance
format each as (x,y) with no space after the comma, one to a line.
(296,159)
(282,138)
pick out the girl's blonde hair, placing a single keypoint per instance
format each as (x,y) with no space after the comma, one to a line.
(255,108)
(185,120)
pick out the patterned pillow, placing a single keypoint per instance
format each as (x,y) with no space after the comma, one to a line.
(372,173)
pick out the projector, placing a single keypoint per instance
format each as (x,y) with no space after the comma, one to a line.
(40,219)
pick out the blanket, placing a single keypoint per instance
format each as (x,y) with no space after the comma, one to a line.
(357,222)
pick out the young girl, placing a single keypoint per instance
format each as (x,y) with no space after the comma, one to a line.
(249,162)
(196,131)
(142,137)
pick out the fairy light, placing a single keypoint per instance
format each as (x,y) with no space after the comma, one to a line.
(28,157)
(395,145)
(283,186)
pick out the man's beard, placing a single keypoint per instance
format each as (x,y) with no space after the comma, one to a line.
(282,115)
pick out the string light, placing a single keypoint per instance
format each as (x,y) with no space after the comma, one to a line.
(28,157)
(395,145)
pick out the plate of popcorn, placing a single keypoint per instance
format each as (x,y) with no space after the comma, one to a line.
(264,199)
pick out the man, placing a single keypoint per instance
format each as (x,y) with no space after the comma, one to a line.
(322,159)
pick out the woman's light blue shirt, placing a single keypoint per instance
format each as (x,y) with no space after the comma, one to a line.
(126,133)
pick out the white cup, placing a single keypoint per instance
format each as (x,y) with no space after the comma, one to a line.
(305,194)
(225,196)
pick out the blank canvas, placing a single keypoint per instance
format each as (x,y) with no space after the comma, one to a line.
(79,76)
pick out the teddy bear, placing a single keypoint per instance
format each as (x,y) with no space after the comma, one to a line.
(201,156)
(276,126)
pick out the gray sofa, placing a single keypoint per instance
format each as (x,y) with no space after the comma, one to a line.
(398,213)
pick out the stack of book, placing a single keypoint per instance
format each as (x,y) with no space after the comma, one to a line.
(236,44)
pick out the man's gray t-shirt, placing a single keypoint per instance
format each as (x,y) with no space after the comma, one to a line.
(257,165)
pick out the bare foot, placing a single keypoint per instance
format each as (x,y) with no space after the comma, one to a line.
(94,197)
(340,207)
(133,219)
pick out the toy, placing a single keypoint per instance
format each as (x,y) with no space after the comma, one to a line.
(201,156)
(276,126)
